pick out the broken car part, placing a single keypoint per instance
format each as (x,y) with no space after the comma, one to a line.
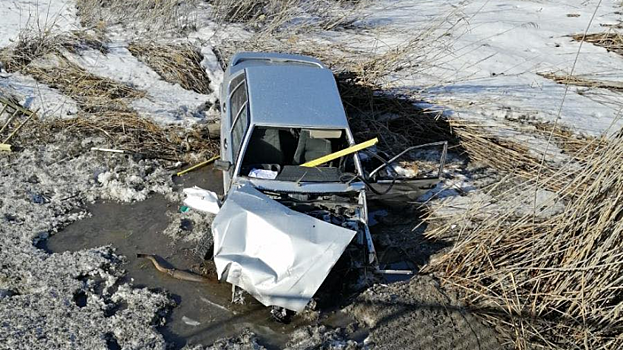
(278,255)
(203,200)
(341,153)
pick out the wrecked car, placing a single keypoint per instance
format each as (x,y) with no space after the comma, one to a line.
(295,191)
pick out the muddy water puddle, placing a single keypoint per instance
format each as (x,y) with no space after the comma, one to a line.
(204,312)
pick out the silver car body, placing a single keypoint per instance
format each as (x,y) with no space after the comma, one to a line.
(283,91)
(278,235)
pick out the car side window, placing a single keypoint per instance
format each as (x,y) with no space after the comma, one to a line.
(238,95)
(241,123)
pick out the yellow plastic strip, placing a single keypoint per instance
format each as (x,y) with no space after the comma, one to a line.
(197,166)
(338,154)
(5,147)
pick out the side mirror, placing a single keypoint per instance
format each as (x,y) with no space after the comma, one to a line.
(222,165)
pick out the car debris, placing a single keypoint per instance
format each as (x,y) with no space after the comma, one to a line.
(175,273)
(203,200)
(295,187)
(189,321)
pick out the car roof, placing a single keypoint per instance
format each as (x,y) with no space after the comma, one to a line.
(294,95)
(242,60)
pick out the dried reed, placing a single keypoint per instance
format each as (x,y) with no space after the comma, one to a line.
(611,41)
(176,64)
(397,122)
(579,81)
(555,282)
(91,92)
(32,45)
(577,146)
(148,16)
(270,16)
(129,131)
(507,155)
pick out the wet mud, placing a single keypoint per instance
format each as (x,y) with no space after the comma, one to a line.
(204,312)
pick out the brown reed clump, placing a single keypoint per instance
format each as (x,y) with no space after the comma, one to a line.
(397,122)
(554,282)
(149,17)
(611,40)
(32,45)
(176,64)
(131,132)
(584,82)
(92,93)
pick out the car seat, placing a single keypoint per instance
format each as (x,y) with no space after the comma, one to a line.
(310,148)
(264,147)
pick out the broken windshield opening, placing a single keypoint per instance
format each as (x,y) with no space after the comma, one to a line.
(278,153)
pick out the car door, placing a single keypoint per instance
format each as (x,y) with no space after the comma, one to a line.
(406,176)
(234,125)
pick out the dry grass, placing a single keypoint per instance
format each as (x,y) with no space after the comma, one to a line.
(41,56)
(91,92)
(269,16)
(13,117)
(579,81)
(130,132)
(554,282)
(612,40)
(397,122)
(32,45)
(577,146)
(241,11)
(151,17)
(103,102)
(176,64)
(508,155)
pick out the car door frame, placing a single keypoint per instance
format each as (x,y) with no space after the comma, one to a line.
(228,123)
(410,186)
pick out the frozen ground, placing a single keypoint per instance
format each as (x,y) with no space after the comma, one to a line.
(477,60)
(81,298)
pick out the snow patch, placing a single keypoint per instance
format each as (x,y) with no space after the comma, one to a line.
(37,96)
(18,15)
(165,102)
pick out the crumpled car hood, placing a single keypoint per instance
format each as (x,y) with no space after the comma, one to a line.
(279,256)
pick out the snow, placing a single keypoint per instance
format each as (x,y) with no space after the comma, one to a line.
(36,287)
(484,68)
(37,96)
(38,15)
(165,102)
(488,64)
